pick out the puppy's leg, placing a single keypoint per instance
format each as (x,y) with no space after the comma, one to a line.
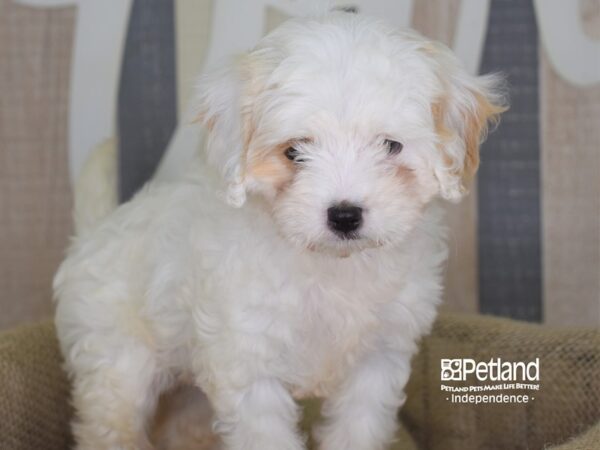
(362,414)
(113,398)
(261,416)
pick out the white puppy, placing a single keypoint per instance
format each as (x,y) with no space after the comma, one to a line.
(317,269)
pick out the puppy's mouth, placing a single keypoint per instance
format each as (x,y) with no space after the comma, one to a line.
(344,245)
(351,236)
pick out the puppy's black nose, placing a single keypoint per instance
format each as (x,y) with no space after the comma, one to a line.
(344,218)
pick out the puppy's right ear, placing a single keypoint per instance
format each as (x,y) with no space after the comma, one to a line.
(220,111)
(466,106)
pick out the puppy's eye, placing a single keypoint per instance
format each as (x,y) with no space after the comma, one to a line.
(393,147)
(293,155)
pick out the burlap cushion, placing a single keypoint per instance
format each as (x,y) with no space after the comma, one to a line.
(590,440)
(34,407)
(567,404)
(35,413)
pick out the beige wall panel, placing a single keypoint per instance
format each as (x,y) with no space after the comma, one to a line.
(570,136)
(193,26)
(35,199)
(437,20)
(273,18)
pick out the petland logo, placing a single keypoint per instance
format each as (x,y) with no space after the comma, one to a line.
(501,379)
(493,370)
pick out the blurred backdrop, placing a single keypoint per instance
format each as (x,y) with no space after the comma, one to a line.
(78,75)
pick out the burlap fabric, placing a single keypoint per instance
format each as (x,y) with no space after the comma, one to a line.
(34,408)
(567,404)
(590,440)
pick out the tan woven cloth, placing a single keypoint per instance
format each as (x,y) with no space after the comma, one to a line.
(590,440)
(567,404)
(34,409)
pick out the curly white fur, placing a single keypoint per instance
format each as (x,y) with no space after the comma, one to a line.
(261,303)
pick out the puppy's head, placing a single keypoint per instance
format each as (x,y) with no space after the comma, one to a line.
(347,127)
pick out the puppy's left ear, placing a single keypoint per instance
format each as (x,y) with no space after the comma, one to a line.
(462,114)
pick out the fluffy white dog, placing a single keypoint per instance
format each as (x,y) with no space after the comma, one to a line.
(305,259)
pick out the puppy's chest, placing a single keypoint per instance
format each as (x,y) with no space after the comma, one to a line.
(334,328)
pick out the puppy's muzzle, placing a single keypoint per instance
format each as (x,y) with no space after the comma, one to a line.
(344,220)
